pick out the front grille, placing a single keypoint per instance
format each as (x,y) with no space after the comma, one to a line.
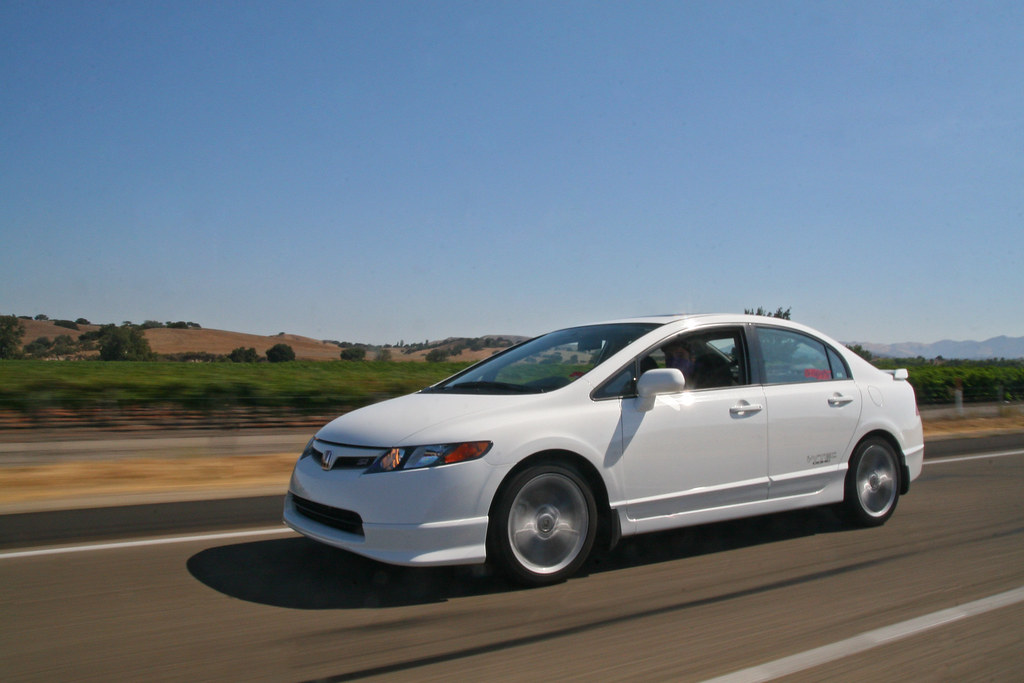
(360,462)
(336,518)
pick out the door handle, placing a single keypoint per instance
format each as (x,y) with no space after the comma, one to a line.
(837,400)
(743,407)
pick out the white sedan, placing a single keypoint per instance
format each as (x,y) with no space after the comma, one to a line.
(630,426)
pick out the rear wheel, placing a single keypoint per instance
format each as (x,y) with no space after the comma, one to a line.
(543,525)
(872,483)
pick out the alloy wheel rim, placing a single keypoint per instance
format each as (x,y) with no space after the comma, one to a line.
(876,481)
(548,522)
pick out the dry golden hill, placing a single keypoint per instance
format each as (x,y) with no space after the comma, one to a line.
(164,340)
(34,329)
(221,342)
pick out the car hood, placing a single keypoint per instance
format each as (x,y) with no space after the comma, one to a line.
(396,422)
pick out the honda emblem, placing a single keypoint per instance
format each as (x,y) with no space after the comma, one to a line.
(327,460)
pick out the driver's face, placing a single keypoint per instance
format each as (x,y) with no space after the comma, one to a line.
(677,350)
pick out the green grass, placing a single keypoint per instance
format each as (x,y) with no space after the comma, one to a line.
(305,386)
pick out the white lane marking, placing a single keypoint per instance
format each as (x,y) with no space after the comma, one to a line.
(998,454)
(144,542)
(871,639)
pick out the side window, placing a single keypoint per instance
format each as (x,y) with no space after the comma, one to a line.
(708,360)
(620,385)
(839,368)
(794,357)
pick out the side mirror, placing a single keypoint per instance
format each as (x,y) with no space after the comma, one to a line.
(660,381)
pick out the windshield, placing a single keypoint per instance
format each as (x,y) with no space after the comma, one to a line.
(546,363)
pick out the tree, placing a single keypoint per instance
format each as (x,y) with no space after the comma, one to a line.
(11,333)
(87,340)
(124,343)
(861,351)
(244,355)
(437,356)
(353,353)
(280,353)
(63,346)
(40,348)
(779,313)
(384,355)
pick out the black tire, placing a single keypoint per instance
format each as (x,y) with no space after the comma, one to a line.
(543,525)
(872,483)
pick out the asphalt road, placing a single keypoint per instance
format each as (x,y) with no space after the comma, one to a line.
(842,603)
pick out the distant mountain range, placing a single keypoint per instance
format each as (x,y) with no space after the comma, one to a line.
(996,347)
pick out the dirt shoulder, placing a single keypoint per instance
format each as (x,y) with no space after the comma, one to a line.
(954,427)
(92,472)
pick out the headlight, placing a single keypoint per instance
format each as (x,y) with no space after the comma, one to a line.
(416,457)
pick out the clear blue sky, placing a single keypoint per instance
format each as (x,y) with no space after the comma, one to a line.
(378,171)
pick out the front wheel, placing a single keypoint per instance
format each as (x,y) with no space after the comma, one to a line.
(543,525)
(872,483)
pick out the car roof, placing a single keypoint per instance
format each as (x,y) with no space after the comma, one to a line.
(665,318)
(689,320)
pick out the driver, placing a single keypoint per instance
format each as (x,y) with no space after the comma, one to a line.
(678,355)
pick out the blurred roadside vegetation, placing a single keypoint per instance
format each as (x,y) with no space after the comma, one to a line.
(317,386)
(302,386)
(980,381)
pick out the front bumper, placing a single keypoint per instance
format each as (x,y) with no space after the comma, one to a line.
(460,541)
(435,516)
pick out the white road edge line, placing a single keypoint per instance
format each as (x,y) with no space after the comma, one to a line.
(144,542)
(985,456)
(871,639)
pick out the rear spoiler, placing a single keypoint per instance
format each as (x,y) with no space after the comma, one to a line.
(898,374)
